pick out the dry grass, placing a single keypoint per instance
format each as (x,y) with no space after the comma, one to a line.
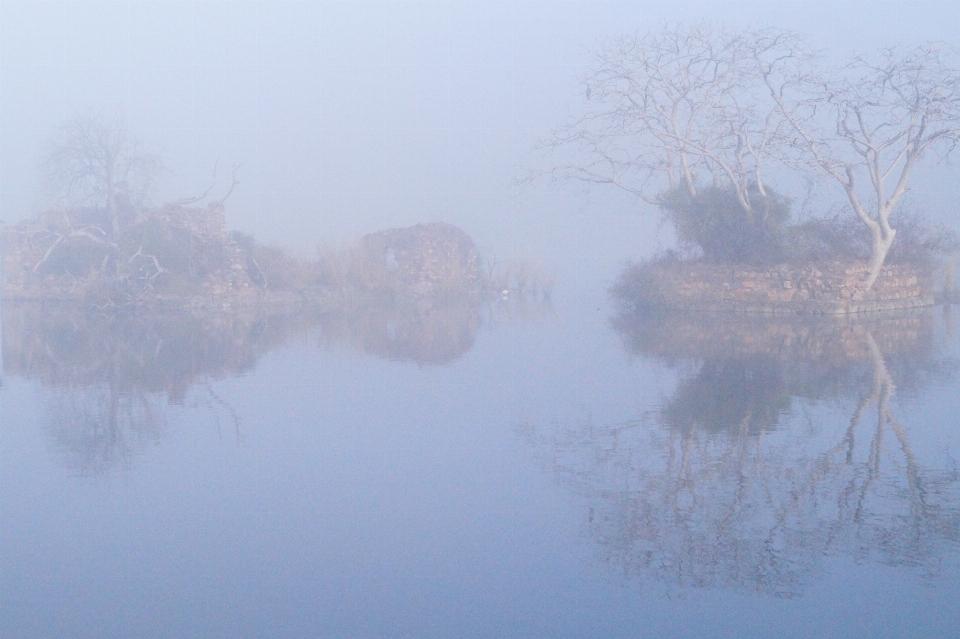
(353,267)
(516,278)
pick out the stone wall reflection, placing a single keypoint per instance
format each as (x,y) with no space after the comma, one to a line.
(425,331)
(779,448)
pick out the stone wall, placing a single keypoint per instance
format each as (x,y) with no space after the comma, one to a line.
(427,257)
(788,289)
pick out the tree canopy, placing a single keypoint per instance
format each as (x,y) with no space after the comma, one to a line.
(96,162)
(690,107)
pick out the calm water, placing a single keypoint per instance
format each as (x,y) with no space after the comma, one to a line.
(504,470)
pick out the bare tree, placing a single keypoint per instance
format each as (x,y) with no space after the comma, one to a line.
(96,162)
(877,122)
(691,105)
(686,105)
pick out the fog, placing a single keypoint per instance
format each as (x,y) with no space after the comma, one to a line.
(348,118)
(509,422)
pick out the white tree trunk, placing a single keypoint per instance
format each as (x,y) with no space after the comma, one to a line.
(880,246)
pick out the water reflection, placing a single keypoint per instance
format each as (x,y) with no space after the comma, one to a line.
(780,447)
(137,352)
(108,378)
(745,394)
(427,331)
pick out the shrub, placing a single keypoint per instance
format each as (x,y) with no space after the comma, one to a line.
(919,242)
(639,287)
(840,238)
(153,236)
(844,238)
(715,221)
(270,266)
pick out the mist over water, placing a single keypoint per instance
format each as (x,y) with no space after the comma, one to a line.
(349,118)
(533,458)
(524,471)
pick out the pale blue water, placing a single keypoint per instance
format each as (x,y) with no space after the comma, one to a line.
(550,479)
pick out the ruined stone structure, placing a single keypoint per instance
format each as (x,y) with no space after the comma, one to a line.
(185,257)
(788,289)
(429,257)
(67,255)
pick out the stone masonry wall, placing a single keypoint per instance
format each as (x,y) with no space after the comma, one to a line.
(427,257)
(789,289)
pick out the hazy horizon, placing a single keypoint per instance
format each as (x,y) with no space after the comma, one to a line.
(520,433)
(349,118)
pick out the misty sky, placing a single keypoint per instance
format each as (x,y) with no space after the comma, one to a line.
(348,118)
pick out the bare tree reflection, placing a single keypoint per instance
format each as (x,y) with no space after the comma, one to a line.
(219,402)
(96,428)
(109,377)
(727,485)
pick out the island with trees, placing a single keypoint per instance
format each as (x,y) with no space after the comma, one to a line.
(699,121)
(705,123)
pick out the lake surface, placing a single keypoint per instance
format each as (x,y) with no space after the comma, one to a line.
(506,469)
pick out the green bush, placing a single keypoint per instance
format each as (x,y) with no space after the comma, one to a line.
(715,221)
(639,287)
(844,238)
(356,266)
(180,252)
(154,237)
(919,242)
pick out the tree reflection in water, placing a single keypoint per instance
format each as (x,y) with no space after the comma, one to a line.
(728,485)
(109,377)
(95,427)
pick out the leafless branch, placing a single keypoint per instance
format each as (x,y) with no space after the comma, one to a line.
(879,119)
(92,161)
(186,201)
(234,182)
(682,106)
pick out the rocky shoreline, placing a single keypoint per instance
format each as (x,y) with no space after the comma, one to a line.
(782,289)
